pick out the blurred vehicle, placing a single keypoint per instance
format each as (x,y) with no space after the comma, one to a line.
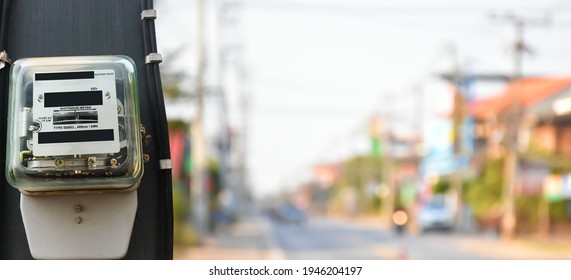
(272,213)
(287,214)
(223,218)
(291,214)
(435,214)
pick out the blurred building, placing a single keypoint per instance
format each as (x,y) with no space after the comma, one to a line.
(544,135)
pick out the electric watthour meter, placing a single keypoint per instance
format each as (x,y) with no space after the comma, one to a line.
(74,152)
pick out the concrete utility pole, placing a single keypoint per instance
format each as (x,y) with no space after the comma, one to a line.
(458,120)
(232,67)
(387,168)
(224,142)
(66,29)
(244,99)
(243,169)
(461,109)
(513,121)
(199,196)
(418,92)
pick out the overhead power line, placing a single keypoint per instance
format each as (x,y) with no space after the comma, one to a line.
(360,10)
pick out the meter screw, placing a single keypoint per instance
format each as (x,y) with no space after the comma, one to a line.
(91,162)
(146,158)
(60,163)
(34,127)
(108,95)
(113,162)
(146,138)
(40,97)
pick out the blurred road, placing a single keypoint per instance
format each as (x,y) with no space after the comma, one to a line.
(335,239)
(250,239)
(329,239)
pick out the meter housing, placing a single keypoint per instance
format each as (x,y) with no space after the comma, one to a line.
(73,125)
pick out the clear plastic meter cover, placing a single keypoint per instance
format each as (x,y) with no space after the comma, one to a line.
(73,124)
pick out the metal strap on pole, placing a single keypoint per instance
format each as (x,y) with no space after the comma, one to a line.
(165,164)
(153,58)
(149,14)
(4,59)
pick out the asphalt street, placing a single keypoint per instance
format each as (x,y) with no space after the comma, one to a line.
(321,238)
(328,239)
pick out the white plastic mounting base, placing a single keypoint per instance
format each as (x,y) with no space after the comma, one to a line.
(94,226)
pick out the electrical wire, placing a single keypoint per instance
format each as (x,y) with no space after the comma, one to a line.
(4,6)
(4,11)
(160,126)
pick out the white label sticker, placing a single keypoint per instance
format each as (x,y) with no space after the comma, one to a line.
(76,113)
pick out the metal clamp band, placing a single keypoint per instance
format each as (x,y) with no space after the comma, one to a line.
(153,58)
(148,14)
(4,59)
(165,164)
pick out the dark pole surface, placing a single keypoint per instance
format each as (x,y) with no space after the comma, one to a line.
(98,27)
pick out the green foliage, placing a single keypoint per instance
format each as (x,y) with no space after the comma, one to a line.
(376,204)
(177,125)
(485,196)
(485,193)
(183,233)
(213,168)
(357,175)
(181,204)
(335,203)
(558,211)
(442,186)
(527,209)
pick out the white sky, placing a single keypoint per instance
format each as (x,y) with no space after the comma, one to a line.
(318,70)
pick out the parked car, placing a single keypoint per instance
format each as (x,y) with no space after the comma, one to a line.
(287,214)
(291,214)
(435,213)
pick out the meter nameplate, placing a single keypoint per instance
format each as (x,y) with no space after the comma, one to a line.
(75,113)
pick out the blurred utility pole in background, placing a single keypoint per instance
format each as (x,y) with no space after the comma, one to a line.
(418,92)
(459,113)
(199,197)
(513,120)
(244,188)
(225,138)
(233,78)
(387,163)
